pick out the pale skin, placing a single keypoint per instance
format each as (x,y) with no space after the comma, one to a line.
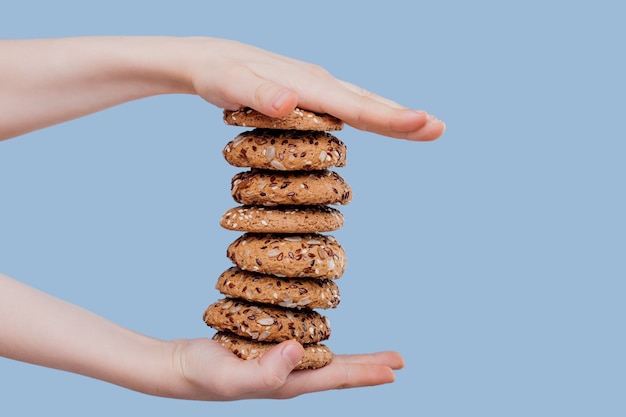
(50,81)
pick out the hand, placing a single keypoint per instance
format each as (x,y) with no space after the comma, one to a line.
(204,370)
(233,75)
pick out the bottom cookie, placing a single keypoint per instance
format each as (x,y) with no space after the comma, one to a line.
(316,355)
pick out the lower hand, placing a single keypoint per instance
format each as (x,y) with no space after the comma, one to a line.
(204,370)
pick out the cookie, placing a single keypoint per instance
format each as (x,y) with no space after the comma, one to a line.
(298,119)
(271,188)
(293,256)
(284,292)
(285,150)
(316,355)
(282,219)
(261,322)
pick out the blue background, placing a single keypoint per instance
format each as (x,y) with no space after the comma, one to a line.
(492,259)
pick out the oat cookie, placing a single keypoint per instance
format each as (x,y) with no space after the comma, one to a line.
(261,322)
(285,150)
(285,292)
(285,255)
(316,355)
(272,188)
(282,219)
(298,119)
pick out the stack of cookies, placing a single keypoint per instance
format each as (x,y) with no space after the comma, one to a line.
(285,264)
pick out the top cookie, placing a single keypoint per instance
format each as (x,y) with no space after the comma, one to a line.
(298,120)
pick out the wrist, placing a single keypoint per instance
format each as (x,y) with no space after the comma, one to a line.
(148,66)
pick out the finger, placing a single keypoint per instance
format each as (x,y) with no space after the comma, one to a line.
(345,371)
(363,92)
(392,359)
(369,112)
(244,88)
(270,372)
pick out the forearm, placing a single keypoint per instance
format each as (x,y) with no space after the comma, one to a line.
(48,81)
(43,330)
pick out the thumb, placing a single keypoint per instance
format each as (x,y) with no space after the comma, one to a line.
(249,90)
(278,362)
(274,100)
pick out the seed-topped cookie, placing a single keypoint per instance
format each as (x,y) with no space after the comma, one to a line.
(316,355)
(293,256)
(282,219)
(272,188)
(262,322)
(284,292)
(285,150)
(298,119)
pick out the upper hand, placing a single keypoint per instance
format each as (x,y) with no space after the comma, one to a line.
(240,75)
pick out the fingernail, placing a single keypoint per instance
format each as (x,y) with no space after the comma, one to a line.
(432,119)
(281,98)
(293,353)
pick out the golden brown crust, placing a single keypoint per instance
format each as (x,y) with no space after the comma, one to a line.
(316,355)
(282,219)
(272,188)
(307,255)
(267,323)
(284,292)
(298,119)
(285,150)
